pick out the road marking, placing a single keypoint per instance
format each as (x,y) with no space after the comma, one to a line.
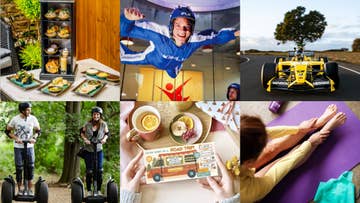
(354,71)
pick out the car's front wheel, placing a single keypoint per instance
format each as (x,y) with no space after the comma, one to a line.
(331,70)
(268,71)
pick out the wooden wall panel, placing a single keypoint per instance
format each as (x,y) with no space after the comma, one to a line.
(97,31)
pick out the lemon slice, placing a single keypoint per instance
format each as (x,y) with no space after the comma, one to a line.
(188,121)
(150,122)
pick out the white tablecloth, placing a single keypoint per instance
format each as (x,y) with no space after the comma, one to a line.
(109,93)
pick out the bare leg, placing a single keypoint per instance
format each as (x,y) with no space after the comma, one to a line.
(275,146)
(319,137)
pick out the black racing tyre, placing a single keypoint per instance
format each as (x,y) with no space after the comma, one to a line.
(268,71)
(157,177)
(43,193)
(191,173)
(6,192)
(76,193)
(277,59)
(112,193)
(331,70)
(324,58)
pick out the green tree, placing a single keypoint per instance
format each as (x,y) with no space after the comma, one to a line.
(300,27)
(31,10)
(356,45)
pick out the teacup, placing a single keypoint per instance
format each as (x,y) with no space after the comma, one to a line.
(146,124)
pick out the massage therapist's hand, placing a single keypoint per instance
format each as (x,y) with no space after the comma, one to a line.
(131,176)
(224,187)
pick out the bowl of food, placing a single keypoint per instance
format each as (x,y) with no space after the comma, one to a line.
(186,128)
(50,14)
(51,31)
(64,14)
(64,32)
(102,75)
(50,50)
(92,71)
(113,78)
(54,89)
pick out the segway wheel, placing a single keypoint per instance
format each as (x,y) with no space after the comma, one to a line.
(112,193)
(6,192)
(76,193)
(43,193)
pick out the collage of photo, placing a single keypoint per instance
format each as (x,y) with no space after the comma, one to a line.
(139,101)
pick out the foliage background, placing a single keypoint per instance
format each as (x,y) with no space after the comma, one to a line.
(49,148)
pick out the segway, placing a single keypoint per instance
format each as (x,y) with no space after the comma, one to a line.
(77,187)
(8,186)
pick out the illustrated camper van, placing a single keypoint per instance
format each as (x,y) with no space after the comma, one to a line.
(174,164)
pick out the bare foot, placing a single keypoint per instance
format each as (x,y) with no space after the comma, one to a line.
(335,122)
(329,113)
(318,137)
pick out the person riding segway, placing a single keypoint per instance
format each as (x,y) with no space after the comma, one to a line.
(24,140)
(94,133)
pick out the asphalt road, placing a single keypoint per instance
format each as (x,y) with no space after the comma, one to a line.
(252,90)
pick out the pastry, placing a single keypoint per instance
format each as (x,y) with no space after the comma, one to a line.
(113,78)
(64,32)
(64,14)
(102,75)
(51,31)
(51,14)
(24,77)
(59,81)
(91,71)
(52,66)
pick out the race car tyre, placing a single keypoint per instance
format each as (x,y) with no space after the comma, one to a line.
(268,71)
(43,193)
(277,59)
(331,70)
(112,193)
(6,192)
(325,59)
(76,193)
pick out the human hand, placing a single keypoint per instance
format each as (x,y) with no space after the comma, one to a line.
(307,126)
(32,141)
(19,141)
(87,141)
(223,187)
(103,141)
(131,176)
(237,33)
(133,14)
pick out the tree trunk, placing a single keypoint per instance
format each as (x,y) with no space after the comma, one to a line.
(71,168)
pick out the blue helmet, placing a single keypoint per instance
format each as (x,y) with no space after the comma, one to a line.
(181,12)
(235,86)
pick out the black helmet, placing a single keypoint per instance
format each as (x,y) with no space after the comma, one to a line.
(96,109)
(235,86)
(23,106)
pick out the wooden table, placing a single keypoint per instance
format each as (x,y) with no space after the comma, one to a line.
(111,92)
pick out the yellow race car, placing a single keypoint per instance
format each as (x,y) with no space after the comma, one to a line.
(300,72)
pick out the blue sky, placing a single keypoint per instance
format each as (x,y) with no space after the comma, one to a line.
(260,17)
